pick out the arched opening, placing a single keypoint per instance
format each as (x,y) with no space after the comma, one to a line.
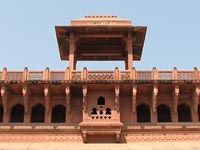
(184,113)
(108,111)
(163,113)
(94,111)
(143,113)
(101,101)
(199,111)
(38,113)
(58,114)
(1,113)
(17,113)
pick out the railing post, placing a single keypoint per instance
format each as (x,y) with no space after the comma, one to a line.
(155,73)
(67,74)
(175,74)
(46,74)
(85,73)
(4,73)
(196,73)
(134,74)
(25,74)
(116,74)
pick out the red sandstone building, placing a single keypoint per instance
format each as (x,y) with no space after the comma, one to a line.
(99,105)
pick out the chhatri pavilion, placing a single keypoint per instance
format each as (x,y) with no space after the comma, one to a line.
(116,105)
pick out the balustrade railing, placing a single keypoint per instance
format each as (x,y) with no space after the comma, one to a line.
(35,75)
(100,75)
(57,75)
(144,75)
(14,76)
(185,75)
(94,75)
(165,75)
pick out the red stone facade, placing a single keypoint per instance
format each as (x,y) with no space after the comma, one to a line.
(99,105)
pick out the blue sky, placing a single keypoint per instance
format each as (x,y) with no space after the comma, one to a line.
(27,31)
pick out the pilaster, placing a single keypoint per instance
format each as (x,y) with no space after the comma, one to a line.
(175,103)
(47,103)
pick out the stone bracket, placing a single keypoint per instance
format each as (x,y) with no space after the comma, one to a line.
(5,93)
(68,103)
(195,97)
(134,98)
(84,90)
(154,98)
(175,98)
(26,94)
(117,91)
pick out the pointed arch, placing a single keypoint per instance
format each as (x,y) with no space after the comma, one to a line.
(58,114)
(101,100)
(37,113)
(184,113)
(17,113)
(143,113)
(163,113)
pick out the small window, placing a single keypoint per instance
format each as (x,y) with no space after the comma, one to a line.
(94,111)
(101,101)
(108,111)
(101,112)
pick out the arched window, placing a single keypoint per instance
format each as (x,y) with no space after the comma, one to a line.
(94,111)
(17,113)
(1,113)
(184,113)
(143,113)
(163,113)
(108,111)
(38,113)
(101,101)
(58,114)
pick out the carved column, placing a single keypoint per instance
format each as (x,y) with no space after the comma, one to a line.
(117,106)
(47,103)
(84,90)
(26,95)
(175,103)
(195,97)
(5,94)
(72,48)
(154,99)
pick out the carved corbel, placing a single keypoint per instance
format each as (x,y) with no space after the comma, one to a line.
(195,97)
(67,92)
(47,97)
(26,95)
(154,97)
(84,98)
(117,98)
(134,98)
(175,98)
(5,96)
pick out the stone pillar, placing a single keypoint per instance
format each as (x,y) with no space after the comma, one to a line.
(134,103)
(72,48)
(47,104)
(129,51)
(154,104)
(26,95)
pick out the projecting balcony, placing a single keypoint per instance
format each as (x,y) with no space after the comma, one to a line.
(100,76)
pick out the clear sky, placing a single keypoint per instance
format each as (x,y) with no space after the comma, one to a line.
(27,31)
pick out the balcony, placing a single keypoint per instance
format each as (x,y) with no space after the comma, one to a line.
(99,76)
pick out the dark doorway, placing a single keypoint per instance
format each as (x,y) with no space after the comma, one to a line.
(38,113)
(17,113)
(1,113)
(101,101)
(143,113)
(163,113)
(184,113)
(58,114)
